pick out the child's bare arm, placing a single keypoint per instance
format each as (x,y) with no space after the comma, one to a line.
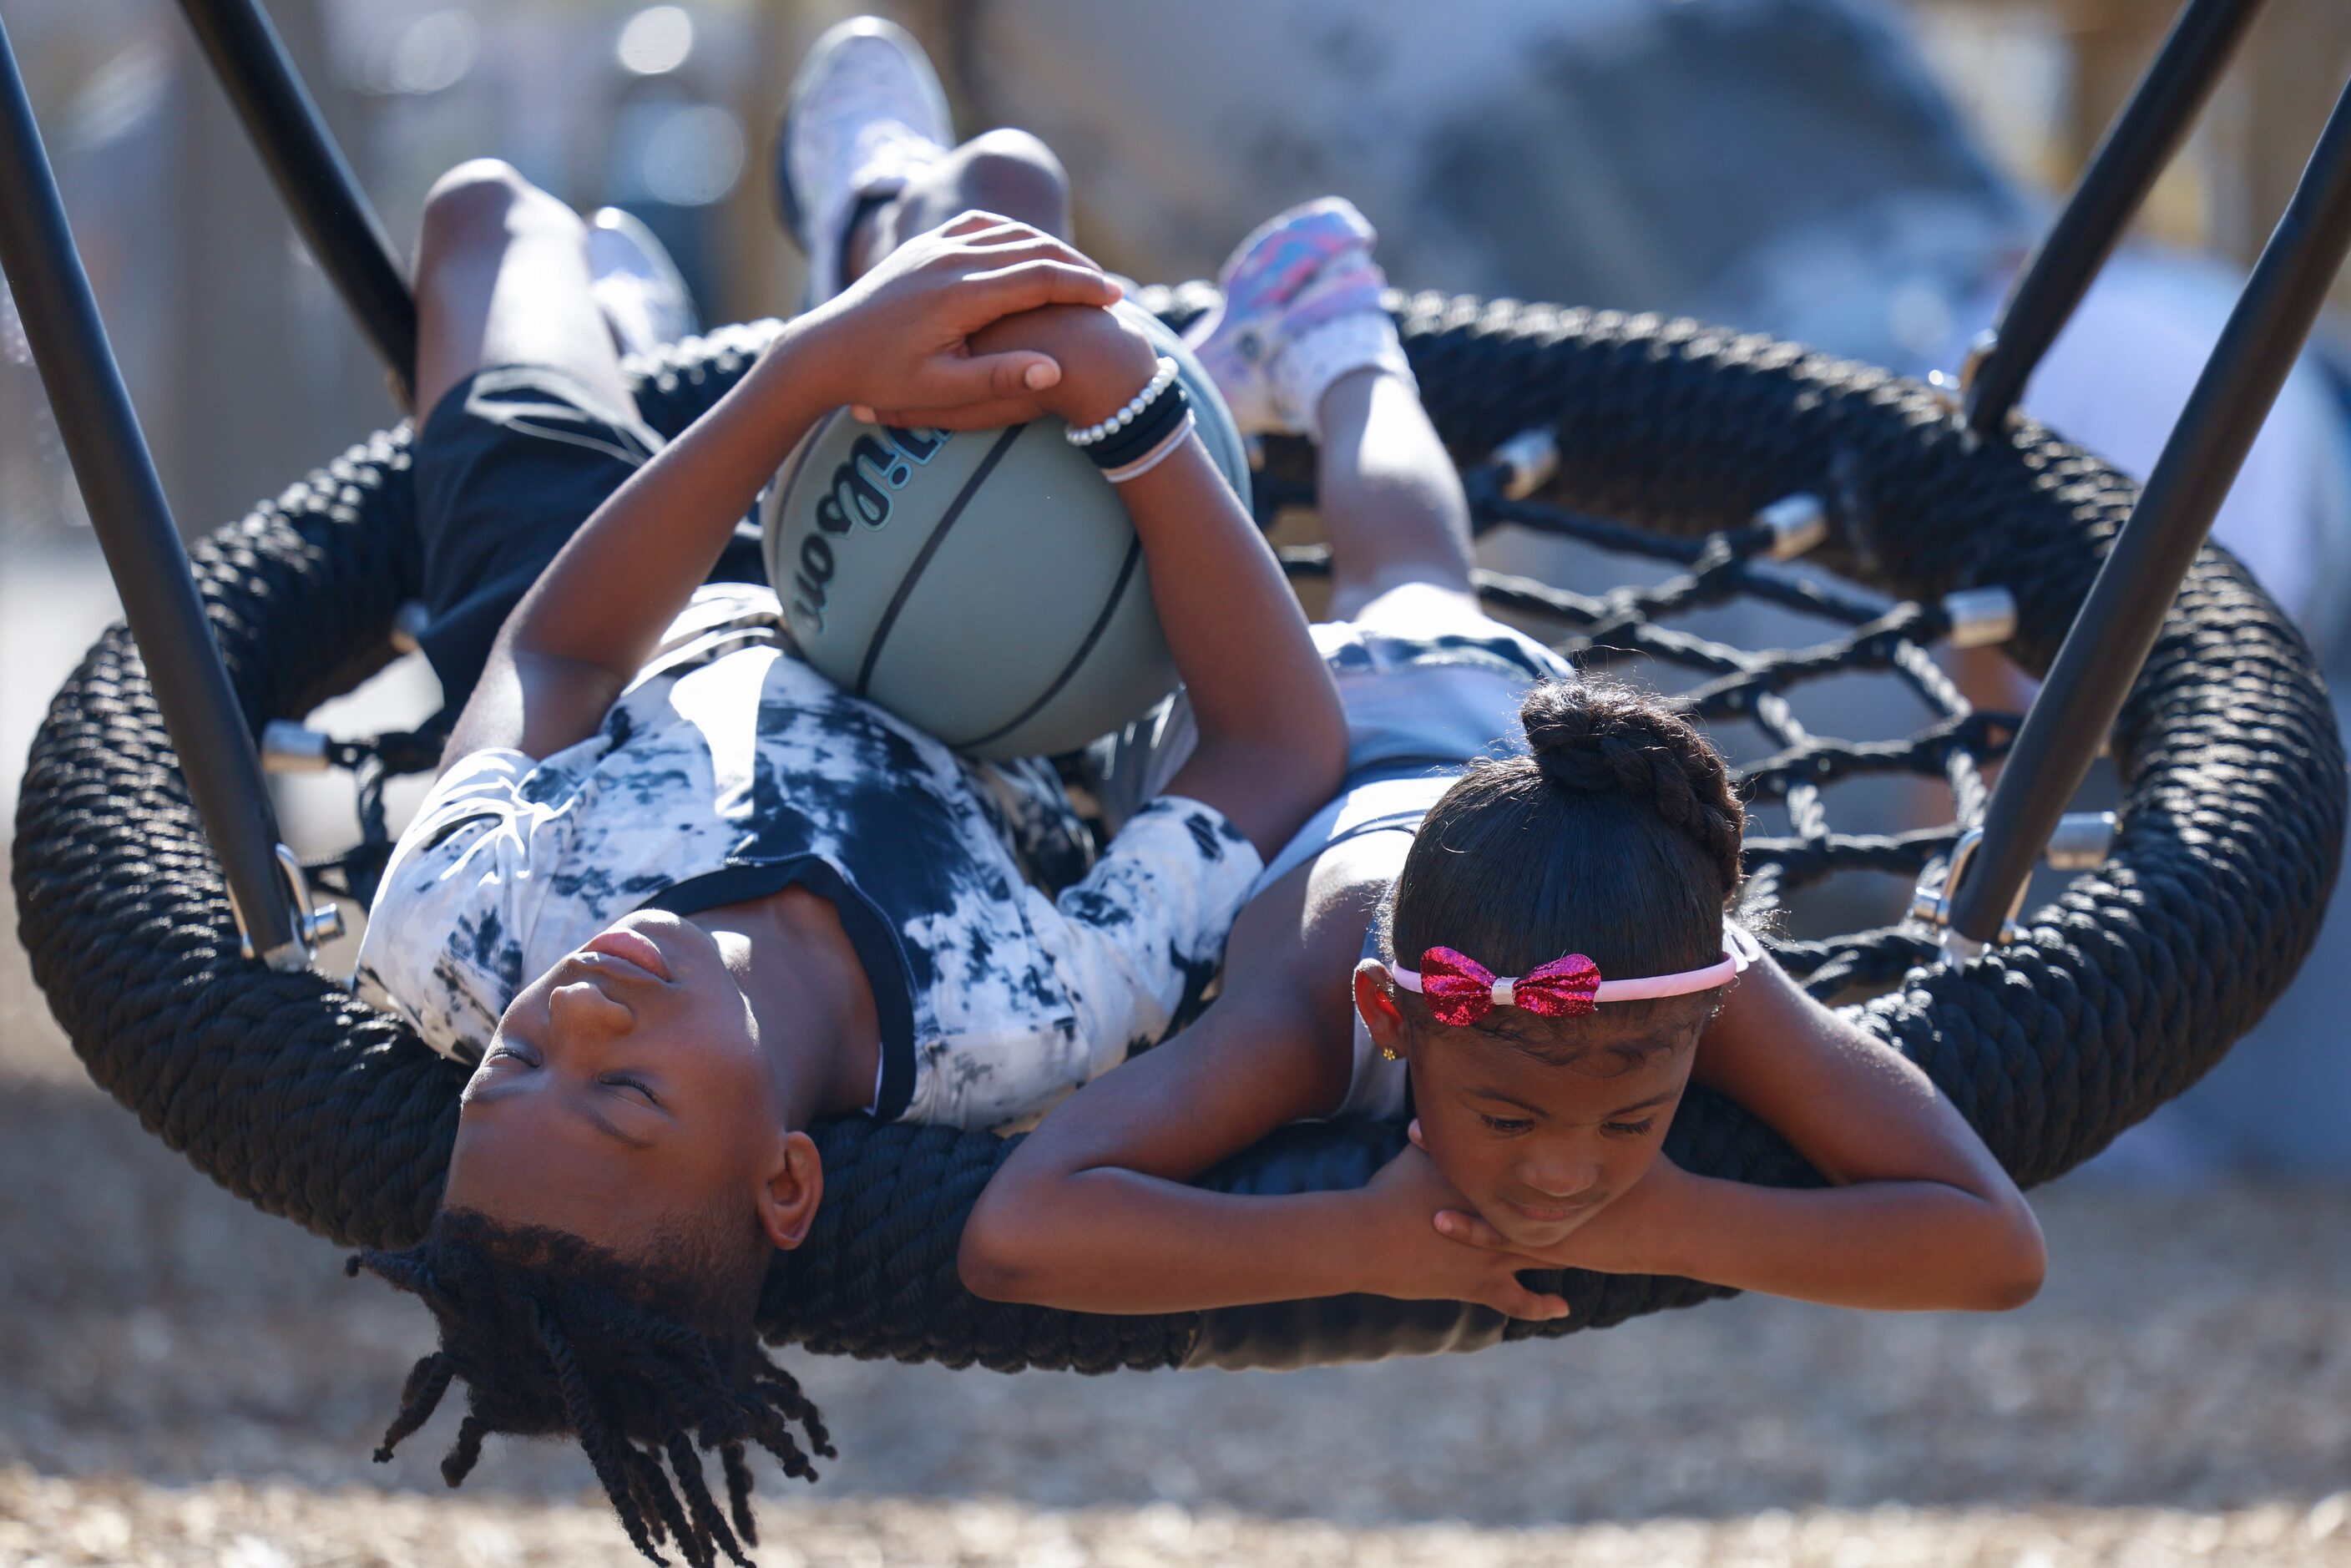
(902,333)
(1919,1216)
(1092,1212)
(1273,741)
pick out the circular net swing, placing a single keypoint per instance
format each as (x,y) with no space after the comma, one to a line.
(2113,998)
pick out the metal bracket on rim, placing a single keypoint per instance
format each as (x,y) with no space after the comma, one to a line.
(2081,843)
(313,923)
(1933,905)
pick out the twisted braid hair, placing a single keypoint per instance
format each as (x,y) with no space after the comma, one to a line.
(1615,835)
(552,1334)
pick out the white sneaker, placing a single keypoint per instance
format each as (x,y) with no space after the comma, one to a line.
(636,283)
(866,113)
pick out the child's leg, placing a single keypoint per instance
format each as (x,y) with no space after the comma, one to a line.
(1392,503)
(868,160)
(1300,343)
(502,278)
(525,423)
(1008,173)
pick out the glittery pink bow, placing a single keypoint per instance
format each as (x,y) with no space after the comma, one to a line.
(1461,990)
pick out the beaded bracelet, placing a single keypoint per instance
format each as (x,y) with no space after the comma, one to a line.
(1159,453)
(1149,429)
(1162,378)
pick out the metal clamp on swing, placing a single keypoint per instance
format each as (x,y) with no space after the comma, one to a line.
(1797,524)
(313,923)
(1981,617)
(1932,904)
(2081,841)
(1526,462)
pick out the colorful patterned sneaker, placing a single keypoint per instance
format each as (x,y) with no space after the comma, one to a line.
(867,111)
(1301,308)
(636,284)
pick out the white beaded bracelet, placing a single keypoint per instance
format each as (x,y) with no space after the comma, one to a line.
(1161,380)
(1156,455)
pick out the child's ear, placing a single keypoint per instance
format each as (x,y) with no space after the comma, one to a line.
(793,1187)
(1375,1003)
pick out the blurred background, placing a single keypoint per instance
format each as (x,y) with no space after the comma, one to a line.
(182,1380)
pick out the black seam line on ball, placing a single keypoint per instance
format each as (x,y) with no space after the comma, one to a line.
(931,548)
(1094,635)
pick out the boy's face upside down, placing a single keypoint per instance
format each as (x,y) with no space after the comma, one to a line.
(628,1094)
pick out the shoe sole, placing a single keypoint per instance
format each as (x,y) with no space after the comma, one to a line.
(820,61)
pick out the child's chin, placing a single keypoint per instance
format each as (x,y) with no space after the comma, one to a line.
(1528,1230)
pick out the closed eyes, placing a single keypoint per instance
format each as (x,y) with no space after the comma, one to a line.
(616,1080)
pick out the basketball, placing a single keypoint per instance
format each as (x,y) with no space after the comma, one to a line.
(986,585)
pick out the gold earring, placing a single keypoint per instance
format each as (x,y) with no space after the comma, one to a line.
(1391,1055)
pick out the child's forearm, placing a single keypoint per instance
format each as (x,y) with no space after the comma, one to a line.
(576,639)
(607,598)
(1262,696)
(1110,1240)
(1888,1246)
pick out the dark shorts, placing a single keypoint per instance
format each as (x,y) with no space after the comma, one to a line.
(509,465)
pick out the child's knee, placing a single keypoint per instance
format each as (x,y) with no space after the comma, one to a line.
(1013,172)
(486,200)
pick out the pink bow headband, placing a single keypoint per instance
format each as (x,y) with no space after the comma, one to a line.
(1461,990)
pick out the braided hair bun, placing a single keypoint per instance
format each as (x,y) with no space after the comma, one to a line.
(1615,835)
(1595,738)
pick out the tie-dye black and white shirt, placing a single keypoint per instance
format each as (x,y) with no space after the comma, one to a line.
(730,769)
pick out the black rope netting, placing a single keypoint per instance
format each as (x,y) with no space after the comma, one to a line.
(1733,685)
(1669,439)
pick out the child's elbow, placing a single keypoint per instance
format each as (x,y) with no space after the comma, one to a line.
(991,1260)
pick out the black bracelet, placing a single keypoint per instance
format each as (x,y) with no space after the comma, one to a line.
(1166,413)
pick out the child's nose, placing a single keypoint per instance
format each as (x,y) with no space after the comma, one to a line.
(580,1010)
(1559,1176)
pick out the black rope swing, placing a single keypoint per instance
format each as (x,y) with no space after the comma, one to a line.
(1712,451)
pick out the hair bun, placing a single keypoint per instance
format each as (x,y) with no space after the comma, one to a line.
(1599,737)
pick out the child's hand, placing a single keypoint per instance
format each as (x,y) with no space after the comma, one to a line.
(899,340)
(1620,1237)
(1409,1257)
(1104,362)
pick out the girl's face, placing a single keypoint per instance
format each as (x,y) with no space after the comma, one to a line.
(1538,1147)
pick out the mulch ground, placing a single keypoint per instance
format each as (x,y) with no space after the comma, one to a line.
(184,1380)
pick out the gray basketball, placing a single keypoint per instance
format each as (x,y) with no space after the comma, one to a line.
(986,585)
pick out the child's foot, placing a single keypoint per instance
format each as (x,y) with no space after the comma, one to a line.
(866,113)
(635,283)
(1301,308)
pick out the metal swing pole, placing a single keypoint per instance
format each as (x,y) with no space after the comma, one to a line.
(2119,622)
(133,522)
(312,178)
(2133,151)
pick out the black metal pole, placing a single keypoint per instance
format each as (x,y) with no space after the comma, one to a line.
(2111,637)
(127,508)
(312,179)
(2134,150)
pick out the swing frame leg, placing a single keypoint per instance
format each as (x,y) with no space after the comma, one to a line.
(133,522)
(2133,152)
(313,179)
(2120,619)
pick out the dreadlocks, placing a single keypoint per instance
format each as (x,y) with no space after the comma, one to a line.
(552,1334)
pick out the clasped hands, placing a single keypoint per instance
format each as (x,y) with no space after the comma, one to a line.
(1424,1242)
(980,323)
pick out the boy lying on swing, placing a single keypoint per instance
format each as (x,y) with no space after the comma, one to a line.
(675,896)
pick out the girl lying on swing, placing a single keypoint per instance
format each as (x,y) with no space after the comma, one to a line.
(1511,927)
(674,895)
